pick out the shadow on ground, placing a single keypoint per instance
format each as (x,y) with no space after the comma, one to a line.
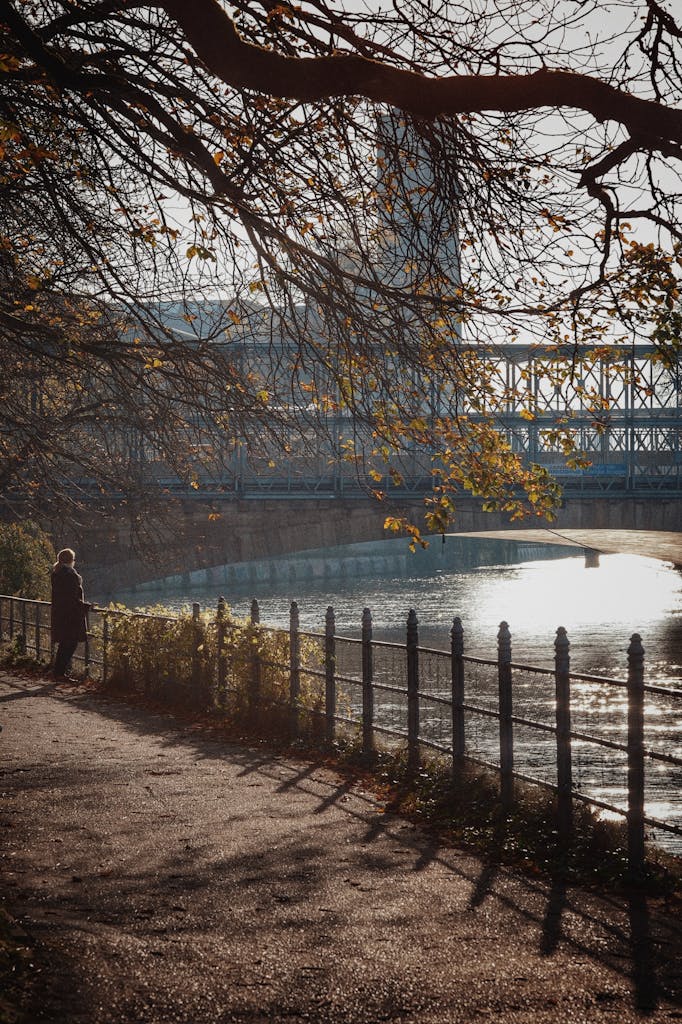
(268,925)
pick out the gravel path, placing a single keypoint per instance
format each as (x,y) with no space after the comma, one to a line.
(162,875)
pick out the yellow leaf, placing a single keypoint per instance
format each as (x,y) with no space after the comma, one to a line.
(218,157)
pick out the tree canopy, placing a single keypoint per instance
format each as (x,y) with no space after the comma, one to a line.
(385,193)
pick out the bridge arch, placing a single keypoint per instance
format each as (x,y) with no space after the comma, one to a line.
(252,530)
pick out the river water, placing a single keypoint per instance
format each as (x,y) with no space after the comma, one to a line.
(599,607)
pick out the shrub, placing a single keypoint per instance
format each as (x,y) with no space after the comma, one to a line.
(175,658)
(26,558)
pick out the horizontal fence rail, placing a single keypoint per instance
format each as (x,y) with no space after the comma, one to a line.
(584,737)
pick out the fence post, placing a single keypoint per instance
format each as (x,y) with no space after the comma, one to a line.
(38,616)
(222,658)
(256,666)
(330,675)
(294,669)
(86,651)
(196,665)
(24,628)
(562,669)
(2,602)
(412,691)
(367,685)
(105,648)
(504,676)
(636,756)
(457,665)
(11,618)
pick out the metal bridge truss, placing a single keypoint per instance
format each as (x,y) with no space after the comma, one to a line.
(634,443)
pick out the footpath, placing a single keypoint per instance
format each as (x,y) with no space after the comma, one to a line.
(155,874)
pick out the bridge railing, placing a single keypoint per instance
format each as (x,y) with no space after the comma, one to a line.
(610,743)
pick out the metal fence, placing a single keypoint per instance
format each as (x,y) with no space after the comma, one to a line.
(584,737)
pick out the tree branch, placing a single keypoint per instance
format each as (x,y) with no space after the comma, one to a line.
(216,41)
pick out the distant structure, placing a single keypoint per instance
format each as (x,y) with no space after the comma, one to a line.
(417,206)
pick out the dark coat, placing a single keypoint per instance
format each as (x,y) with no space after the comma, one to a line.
(69,611)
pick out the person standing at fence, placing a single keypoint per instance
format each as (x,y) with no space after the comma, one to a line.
(69,613)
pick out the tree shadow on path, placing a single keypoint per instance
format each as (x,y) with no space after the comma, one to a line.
(623,935)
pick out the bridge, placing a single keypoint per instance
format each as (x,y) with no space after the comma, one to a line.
(185,542)
(260,507)
(622,404)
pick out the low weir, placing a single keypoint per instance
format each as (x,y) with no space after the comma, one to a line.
(388,558)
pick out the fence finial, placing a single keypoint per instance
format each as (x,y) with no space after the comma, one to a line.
(504,676)
(294,669)
(330,674)
(635,649)
(222,654)
(412,627)
(504,642)
(561,643)
(457,636)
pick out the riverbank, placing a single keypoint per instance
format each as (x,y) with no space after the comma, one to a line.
(162,873)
